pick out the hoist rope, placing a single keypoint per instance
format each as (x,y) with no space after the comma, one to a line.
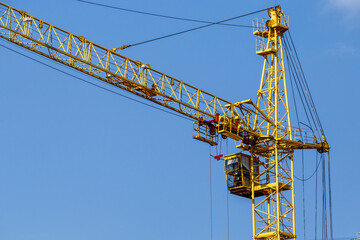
(307,86)
(294,75)
(330,199)
(303,82)
(303,192)
(298,77)
(227,199)
(316,201)
(326,220)
(160,15)
(211,204)
(196,28)
(326,204)
(301,91)
(293,94)
(218,151)
(324,201)
(91,83)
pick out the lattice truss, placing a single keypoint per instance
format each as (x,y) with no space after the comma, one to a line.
(272,95)
(275,209)
(133,76)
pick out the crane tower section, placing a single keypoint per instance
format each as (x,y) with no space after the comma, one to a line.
(268,178)
(273,212)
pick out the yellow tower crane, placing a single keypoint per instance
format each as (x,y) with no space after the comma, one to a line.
(262,129)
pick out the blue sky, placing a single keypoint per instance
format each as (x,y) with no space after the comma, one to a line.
(80,163)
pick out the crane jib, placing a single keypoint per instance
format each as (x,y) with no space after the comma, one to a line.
(135,77)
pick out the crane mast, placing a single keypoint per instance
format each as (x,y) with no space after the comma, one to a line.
(274,213)
(262,129)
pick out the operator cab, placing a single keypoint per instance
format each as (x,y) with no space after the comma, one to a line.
(238,172)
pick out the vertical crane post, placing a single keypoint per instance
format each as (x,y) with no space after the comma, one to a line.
(273,189)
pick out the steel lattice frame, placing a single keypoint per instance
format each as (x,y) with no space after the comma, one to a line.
(273,211)
(108,66)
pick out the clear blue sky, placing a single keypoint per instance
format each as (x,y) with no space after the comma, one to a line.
(80,163)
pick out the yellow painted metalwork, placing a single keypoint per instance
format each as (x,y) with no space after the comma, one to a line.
(238,168)
(273,212)
(133,76)
(263,128)
(140,79)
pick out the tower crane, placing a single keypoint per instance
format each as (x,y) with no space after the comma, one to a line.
(261,129)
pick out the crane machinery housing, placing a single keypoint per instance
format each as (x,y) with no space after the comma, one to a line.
(264,169)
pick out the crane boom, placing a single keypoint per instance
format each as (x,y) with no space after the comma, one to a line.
(105,64)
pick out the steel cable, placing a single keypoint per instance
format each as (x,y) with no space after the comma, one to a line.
(330,199)
(196,28)
(307,86)
(295,77)
(316,196)
(93,84)
(227,198)
(303,191)
(317,164)
(303,80)
(159,15)
(293,93)
(211,204)
(299,85)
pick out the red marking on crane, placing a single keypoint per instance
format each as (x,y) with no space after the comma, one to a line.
(212,128)
(218,157)
(217,117)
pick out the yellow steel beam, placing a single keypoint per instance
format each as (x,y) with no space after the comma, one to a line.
(133,76)
(79,53)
